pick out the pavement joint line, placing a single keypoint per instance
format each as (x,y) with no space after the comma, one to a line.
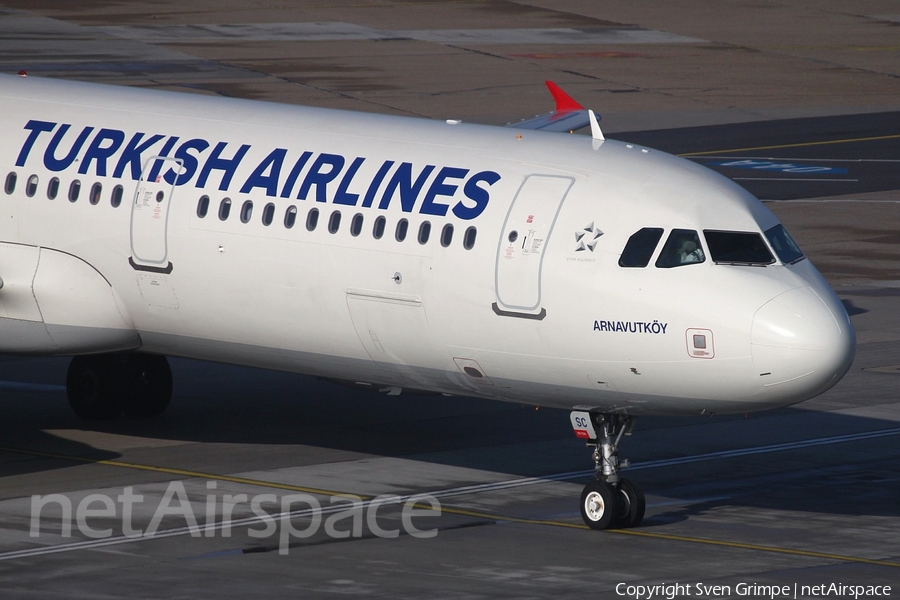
(760,548)
(484,487)
(194,531)
(797,145)
(682,538)
(689,539)
(464,490)
(179,531)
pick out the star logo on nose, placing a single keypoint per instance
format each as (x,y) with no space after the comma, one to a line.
(587,238)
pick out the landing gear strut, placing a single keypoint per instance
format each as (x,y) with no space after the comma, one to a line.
(101,386)
(609,501)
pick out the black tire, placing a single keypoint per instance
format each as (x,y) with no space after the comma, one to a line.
(598,505)
(95,386)
(630,505)
(149,388)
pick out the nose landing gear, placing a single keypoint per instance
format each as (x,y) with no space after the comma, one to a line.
(609,501)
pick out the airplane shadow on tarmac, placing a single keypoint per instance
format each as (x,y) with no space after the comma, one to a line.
(281,420)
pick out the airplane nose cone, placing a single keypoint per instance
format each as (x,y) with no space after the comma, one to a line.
(802,343)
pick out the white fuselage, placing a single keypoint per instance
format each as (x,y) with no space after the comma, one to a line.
(525,302)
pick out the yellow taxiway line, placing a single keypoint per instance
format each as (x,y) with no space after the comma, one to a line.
(798,145)
(182,472)
(459,511)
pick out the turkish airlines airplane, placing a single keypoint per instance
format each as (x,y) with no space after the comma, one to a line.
(512,263)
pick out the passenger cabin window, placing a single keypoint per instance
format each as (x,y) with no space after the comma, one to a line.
(447,235)
(469,238)
(402,228)
(74,190)
(378,228)
(640,247)
(356,225)
(203,207)
(116,198)
(334,222)
(32,186)
(785,246)
(312,219)
(10,186)
(53,188)
(682,248)
(290,217)
(424,232)
(96,190)
(738,248)
(268,214)
(224,209)
(246,211)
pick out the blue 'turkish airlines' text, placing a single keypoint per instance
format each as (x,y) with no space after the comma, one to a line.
(319,176)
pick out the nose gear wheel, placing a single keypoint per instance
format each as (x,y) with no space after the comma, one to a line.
(609,501)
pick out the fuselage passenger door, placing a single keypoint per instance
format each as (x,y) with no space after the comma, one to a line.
(524,237)
(150,216)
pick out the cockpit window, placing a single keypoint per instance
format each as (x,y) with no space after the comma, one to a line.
(785,246)
(640,247)
(734,247)
(682,248)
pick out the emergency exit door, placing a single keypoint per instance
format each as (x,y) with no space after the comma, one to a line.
(523,240)
(150,216)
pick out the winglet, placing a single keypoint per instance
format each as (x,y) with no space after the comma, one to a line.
(595,127)
(564,102)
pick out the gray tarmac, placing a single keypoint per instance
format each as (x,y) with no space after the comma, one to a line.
(803,496)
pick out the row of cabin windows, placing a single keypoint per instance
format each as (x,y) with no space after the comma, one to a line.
(268,214)
(74,193)
(379,226)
